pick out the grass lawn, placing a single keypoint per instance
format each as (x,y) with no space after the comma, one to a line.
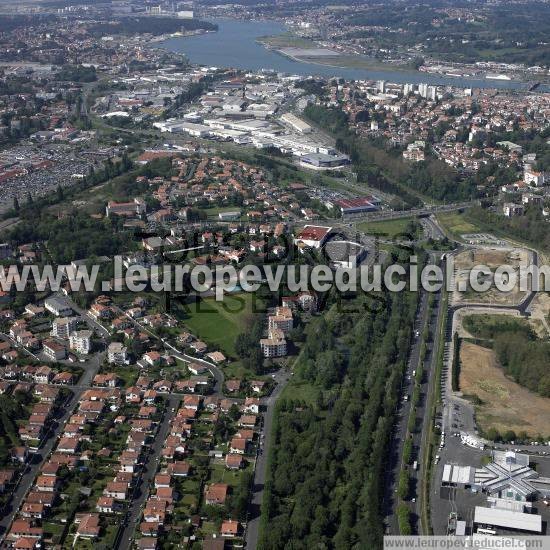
(109,534)
(55,530)
(128,375)
(189,485)
(208,528)
(457,224)
(83,544)
(219,323)
(214,211)
(391,229)
(187,503)
(235,369)
(300,390)
(220,474)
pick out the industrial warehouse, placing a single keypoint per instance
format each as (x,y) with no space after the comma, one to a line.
(356,206)
(512,487)
(249,117)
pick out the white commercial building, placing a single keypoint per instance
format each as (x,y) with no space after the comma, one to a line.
(296,123)
(507,519)
(57,307)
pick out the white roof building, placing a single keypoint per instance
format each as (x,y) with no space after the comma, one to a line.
(507,519)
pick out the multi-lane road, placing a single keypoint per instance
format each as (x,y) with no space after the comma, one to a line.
(427,317)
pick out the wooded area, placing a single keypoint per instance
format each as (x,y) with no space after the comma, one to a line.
(325,484)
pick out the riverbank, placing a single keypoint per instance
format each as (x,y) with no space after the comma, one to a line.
(286,44)
(236,44)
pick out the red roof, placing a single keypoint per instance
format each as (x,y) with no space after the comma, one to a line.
(356,203)
(313,233)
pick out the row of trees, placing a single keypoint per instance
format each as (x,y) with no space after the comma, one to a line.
(12,410)
(519,352)
(525,360)
(456,363)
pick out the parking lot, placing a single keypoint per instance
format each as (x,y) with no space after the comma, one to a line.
(66,164)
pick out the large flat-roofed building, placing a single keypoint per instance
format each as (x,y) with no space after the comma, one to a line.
(507,519)
(196,130)
(137,207)
(296,123)
(229,216)
(314,236)
(361,204)
(508,476)
(320,161)
(345,253)
(458,476)
(57,307)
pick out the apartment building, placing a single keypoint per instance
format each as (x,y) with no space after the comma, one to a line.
(116,353)
(63,327)
(81,341)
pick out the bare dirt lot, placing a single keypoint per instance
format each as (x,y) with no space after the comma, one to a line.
(540,309)
(492,258)
(505,404)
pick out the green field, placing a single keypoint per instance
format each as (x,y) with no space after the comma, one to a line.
(213,212)
(300,390)
(391,229)
(457,224)
(219,323)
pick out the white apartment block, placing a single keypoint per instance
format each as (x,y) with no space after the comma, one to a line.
(275,344)
(63,327)
(81,341)
(116,353)
(54,350)
(282,320)
(272,347)
(536,179)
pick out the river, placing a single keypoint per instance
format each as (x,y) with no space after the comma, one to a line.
(234,45)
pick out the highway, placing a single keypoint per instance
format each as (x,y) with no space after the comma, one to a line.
(380,215)
(395,461)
